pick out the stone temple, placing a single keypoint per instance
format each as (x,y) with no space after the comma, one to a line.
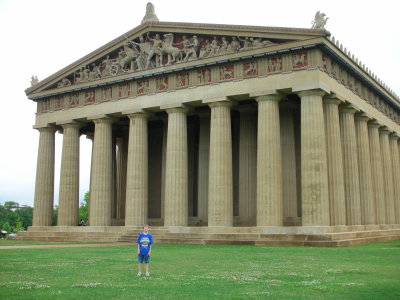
(221,134)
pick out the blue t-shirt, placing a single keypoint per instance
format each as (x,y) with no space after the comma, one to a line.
(144,240)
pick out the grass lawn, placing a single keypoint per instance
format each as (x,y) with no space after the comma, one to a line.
(203,272)
(6,242)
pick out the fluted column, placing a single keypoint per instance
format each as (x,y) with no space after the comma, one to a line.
(393,138)
(121,166)
(387,175)
(102,191)
(337,204)
(220,182)
(314,174)
(90,136)
(136,210)
(204,156)
(269,162)
(164,159)
(176,170)
(365,171)
(44,185)
(68,202)
(288,147)
(377,172)
(350,165)
(248,163)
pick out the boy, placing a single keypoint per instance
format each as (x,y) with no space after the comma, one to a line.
(144,241)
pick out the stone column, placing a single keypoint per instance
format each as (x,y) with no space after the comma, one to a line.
(90,136)
(387,175)
(164,159)
(121,166)
(365,171)
(337,204)
(136,210)
(288,147)
(102,174)
(314,174)
(350,165)
(204,156)
(393,138)
(176,170)
(269,162)
(44,185)
(377,172)
(220,180)
(68,203)
(248,164)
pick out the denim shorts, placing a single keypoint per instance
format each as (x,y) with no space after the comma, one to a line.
(143,258)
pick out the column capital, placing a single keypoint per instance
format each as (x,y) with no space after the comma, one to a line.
(362,117)
(333,99)
(221,104)
(394,135)
(71,124)
(46,128)
(384,130)
(348,108)
(315,92)
(139,114)
(173,110)
(272,97)
(103,119)
(374,124)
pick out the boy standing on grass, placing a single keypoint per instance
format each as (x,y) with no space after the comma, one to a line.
(144,241)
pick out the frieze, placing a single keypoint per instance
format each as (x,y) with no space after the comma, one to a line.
(250,68)
(211,75)
(333,69)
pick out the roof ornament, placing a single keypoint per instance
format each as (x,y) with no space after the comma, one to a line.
(150,15)
(34,80)
(319,21)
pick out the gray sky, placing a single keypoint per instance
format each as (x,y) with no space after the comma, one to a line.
(43,36)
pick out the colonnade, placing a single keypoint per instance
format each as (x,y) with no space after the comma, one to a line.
(341,168)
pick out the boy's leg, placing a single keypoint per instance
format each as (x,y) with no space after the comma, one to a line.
(140,267)
(147,267)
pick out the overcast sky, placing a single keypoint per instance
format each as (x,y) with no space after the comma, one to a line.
(43,36)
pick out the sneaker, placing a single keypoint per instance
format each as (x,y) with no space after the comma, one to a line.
(147,274)
(139,274)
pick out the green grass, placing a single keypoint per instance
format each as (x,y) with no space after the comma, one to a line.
(203,272)
(6,242)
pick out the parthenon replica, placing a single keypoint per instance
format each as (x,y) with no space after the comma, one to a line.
(220,134)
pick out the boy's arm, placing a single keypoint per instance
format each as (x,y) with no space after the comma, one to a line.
(138,249)
(150,251)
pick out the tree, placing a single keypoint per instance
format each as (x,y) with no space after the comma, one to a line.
(84,208)
(18,225)
(6,227)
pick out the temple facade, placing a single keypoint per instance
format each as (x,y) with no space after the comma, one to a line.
(217,129)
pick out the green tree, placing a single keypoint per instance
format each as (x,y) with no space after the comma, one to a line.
(19,224)
(7,227)
(26,213)
(84,208)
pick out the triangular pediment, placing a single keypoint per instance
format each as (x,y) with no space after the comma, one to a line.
(154,48)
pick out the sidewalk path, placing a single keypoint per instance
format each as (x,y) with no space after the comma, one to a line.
(64,246)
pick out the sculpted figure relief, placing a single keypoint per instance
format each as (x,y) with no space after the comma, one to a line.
(153,52)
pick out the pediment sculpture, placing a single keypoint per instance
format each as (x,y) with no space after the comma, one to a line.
(155,50)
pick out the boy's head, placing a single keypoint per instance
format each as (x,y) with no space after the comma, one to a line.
(145,228)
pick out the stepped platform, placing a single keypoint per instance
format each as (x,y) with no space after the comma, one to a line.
(338,236)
